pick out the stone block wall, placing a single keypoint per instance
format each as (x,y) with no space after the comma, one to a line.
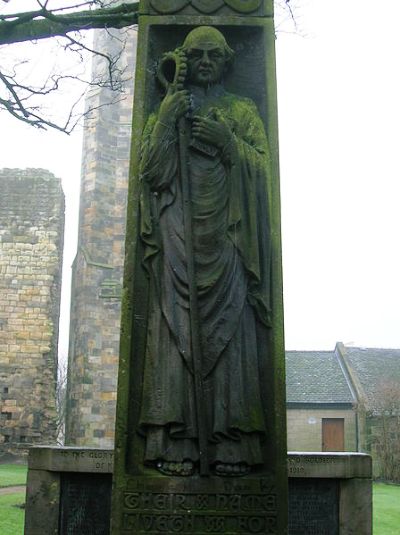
(304,428)
(98,267)
(31,244)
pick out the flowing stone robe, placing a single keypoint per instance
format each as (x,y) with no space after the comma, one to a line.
(231,244)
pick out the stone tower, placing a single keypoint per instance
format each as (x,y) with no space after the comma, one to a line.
(98,266)
(31,244)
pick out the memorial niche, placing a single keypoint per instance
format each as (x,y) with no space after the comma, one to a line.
(205,234)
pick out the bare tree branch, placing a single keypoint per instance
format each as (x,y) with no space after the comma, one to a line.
(42,24)
(69,24)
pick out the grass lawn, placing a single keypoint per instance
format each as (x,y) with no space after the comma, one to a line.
(12,474)
(12,517)
(386,509)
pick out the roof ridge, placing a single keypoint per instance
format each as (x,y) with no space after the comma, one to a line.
(352,374)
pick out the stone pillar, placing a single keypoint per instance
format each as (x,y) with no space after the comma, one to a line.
(248,104)
(97,269)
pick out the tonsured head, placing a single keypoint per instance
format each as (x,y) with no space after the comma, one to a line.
(208,55)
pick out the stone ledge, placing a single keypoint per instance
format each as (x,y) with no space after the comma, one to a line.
(71,459)
(342,465)
(346,465)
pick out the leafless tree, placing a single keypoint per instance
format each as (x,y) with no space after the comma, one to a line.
(385,429)
(61,401)
(67,22)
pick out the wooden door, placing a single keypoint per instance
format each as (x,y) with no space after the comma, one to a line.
(332,434)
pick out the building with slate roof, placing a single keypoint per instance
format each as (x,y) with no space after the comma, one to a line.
(336,399)
(321,402)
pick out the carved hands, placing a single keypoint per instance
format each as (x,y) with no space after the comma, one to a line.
(174,106)
(214,131)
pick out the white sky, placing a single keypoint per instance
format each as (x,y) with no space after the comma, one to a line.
(339,111)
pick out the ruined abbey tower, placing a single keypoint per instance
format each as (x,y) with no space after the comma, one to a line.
(31,244)
(98,266)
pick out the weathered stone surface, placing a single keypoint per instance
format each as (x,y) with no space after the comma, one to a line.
(355,506)
(31,243)
(42,502)
(208,7)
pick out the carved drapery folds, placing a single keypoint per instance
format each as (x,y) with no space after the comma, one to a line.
(205,6)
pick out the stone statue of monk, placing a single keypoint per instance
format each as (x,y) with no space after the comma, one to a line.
(229,169)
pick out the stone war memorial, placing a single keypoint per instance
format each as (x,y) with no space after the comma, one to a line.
(200,443)
(200,428)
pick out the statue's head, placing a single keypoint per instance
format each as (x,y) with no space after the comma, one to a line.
(208,55)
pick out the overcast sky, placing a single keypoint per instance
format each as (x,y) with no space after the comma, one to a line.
(339,112)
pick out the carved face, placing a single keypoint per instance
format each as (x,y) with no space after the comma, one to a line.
(206,64)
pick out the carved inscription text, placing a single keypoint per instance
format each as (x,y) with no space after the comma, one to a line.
(150,512)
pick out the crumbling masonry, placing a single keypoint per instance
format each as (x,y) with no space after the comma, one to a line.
(31,243)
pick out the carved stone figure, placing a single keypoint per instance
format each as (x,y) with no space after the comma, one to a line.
(225,152)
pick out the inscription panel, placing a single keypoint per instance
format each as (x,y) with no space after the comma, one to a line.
(85,504)
(332,465)
(313,507)
(246,507)
(72,459)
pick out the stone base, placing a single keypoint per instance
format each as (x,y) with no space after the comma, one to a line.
(330,493)
(69,492)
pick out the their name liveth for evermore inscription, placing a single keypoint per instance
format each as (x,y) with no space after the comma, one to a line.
(147,512)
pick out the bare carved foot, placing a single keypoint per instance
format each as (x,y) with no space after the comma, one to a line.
(171,468)
(232,470)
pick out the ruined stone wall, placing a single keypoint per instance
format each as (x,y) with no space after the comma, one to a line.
(98,267)
(31,243)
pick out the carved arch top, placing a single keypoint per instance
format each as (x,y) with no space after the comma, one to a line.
(205,6)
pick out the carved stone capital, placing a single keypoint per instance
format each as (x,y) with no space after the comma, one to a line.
(205,6)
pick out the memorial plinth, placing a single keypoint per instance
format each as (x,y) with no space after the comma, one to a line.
(69,493)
